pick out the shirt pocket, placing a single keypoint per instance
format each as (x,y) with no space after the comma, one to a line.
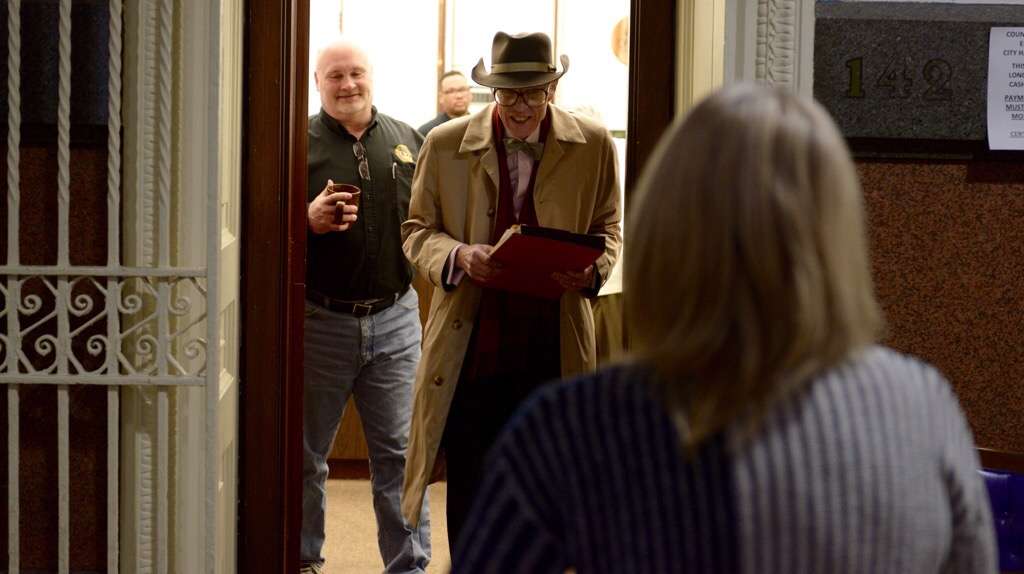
(402,170)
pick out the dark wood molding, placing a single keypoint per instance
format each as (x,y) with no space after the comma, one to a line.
(992,459)
(652,74)
(272,284)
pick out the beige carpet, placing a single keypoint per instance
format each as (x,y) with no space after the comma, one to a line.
(351,546)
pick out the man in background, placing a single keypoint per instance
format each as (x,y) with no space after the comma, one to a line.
(453,95)
(362,328)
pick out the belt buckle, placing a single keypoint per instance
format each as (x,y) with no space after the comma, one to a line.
(361,309)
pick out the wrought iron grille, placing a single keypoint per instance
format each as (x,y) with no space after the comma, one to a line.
(140,319)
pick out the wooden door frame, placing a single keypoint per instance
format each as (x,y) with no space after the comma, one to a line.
(273,250)
(272,284)
(652,83)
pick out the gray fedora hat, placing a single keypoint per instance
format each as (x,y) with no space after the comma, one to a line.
(519,61)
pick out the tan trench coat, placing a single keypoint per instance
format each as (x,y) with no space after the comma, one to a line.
(454,198)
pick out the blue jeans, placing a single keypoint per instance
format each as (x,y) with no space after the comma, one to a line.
(373,358)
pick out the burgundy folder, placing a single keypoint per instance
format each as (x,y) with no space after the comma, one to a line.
(530,254)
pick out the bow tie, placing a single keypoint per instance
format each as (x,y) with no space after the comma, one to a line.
(532,149)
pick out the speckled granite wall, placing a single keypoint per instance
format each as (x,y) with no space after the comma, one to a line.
(948,254)
(38,405)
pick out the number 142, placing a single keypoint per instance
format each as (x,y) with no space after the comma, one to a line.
(897,81)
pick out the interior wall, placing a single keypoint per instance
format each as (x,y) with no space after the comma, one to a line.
(597,82)
(948,253)
(403,53)
(946,238)
(474,23)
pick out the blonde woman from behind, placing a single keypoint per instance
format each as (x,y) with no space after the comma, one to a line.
(759,428)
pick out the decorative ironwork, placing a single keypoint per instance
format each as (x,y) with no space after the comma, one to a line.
(144,323)
(157,339)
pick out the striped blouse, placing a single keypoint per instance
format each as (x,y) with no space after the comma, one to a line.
(871,469)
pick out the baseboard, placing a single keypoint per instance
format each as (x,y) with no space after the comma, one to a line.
(1001,460)
(348,469)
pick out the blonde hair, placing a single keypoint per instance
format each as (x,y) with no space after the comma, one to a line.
(747,269)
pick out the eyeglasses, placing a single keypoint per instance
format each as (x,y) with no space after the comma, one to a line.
(364,166)
(533,97)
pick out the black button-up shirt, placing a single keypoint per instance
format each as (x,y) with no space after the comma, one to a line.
(438,120)
(366,261)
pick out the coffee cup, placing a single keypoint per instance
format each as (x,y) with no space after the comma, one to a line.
(354,200)
(348,188)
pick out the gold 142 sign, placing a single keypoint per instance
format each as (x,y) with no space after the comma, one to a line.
(901,79)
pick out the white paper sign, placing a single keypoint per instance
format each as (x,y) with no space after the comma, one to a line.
(1006,88)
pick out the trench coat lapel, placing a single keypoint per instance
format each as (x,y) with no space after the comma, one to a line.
(479,137)
(563,130)
(490,163)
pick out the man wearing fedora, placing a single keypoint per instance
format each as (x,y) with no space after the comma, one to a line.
(520,160)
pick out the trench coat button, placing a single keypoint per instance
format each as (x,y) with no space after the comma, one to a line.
(438,380)
(457,324)
(490,212)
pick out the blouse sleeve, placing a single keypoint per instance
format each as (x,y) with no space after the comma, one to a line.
(506,531)
(972,548)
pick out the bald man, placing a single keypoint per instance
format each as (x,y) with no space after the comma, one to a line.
(362,329)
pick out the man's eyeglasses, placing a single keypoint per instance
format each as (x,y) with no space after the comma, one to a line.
(533,97)
(364,166)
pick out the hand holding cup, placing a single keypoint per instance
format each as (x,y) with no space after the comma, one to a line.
(334,209)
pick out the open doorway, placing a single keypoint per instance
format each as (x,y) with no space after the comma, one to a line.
(273,267)
(411,56)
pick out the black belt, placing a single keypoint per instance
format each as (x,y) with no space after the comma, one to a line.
(355,308)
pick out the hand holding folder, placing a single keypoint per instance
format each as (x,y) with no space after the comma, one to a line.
(530,254)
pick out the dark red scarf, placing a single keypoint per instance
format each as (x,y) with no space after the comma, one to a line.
(494,303)
(506,212)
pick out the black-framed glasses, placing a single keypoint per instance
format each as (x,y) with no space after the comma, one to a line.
(533,97)
(364,166)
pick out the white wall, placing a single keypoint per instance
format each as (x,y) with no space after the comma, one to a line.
(596,79)
(400,37)
(473,23)
(323,27)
